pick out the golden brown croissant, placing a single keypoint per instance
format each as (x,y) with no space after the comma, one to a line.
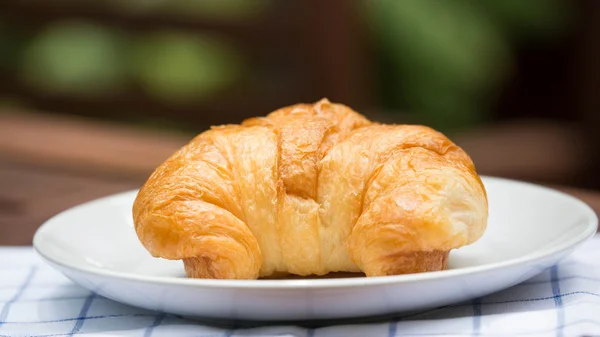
(309,190)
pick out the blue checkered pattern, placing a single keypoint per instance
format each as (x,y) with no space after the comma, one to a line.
(35,300)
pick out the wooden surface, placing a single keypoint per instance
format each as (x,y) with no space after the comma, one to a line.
(78,145)
(30,195)
(48,165)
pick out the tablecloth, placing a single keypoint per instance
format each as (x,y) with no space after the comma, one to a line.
(36,300)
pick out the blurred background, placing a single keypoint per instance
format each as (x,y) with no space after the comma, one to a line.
(95,94)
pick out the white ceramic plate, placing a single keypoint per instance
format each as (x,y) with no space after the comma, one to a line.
(530,229)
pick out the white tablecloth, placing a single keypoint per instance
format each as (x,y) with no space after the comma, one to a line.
(35,300)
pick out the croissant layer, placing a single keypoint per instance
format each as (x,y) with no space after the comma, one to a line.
(311,189)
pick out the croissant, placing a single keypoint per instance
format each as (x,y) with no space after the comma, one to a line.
(311,189)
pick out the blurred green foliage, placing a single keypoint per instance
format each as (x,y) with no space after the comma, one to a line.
(75,58)
(446,60)
(87,59)
(91,59)
(212,10)
(533,20)
(443,60)
(178,67)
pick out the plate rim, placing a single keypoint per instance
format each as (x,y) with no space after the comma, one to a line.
(588,215)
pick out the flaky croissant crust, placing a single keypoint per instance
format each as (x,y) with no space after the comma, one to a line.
(312,189)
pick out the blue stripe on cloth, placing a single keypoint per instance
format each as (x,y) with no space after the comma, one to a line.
(476,316)
(529,333)
(393,327)
(18,294)
(393,330)
(538,298)
(416,314)
(401,318)
(157,321)
(80,318)
(562,295)
(48,299)
(208,334)
(84,309)
(557,300)
(562,327)
(560,279)
(310,332)
(45,285)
